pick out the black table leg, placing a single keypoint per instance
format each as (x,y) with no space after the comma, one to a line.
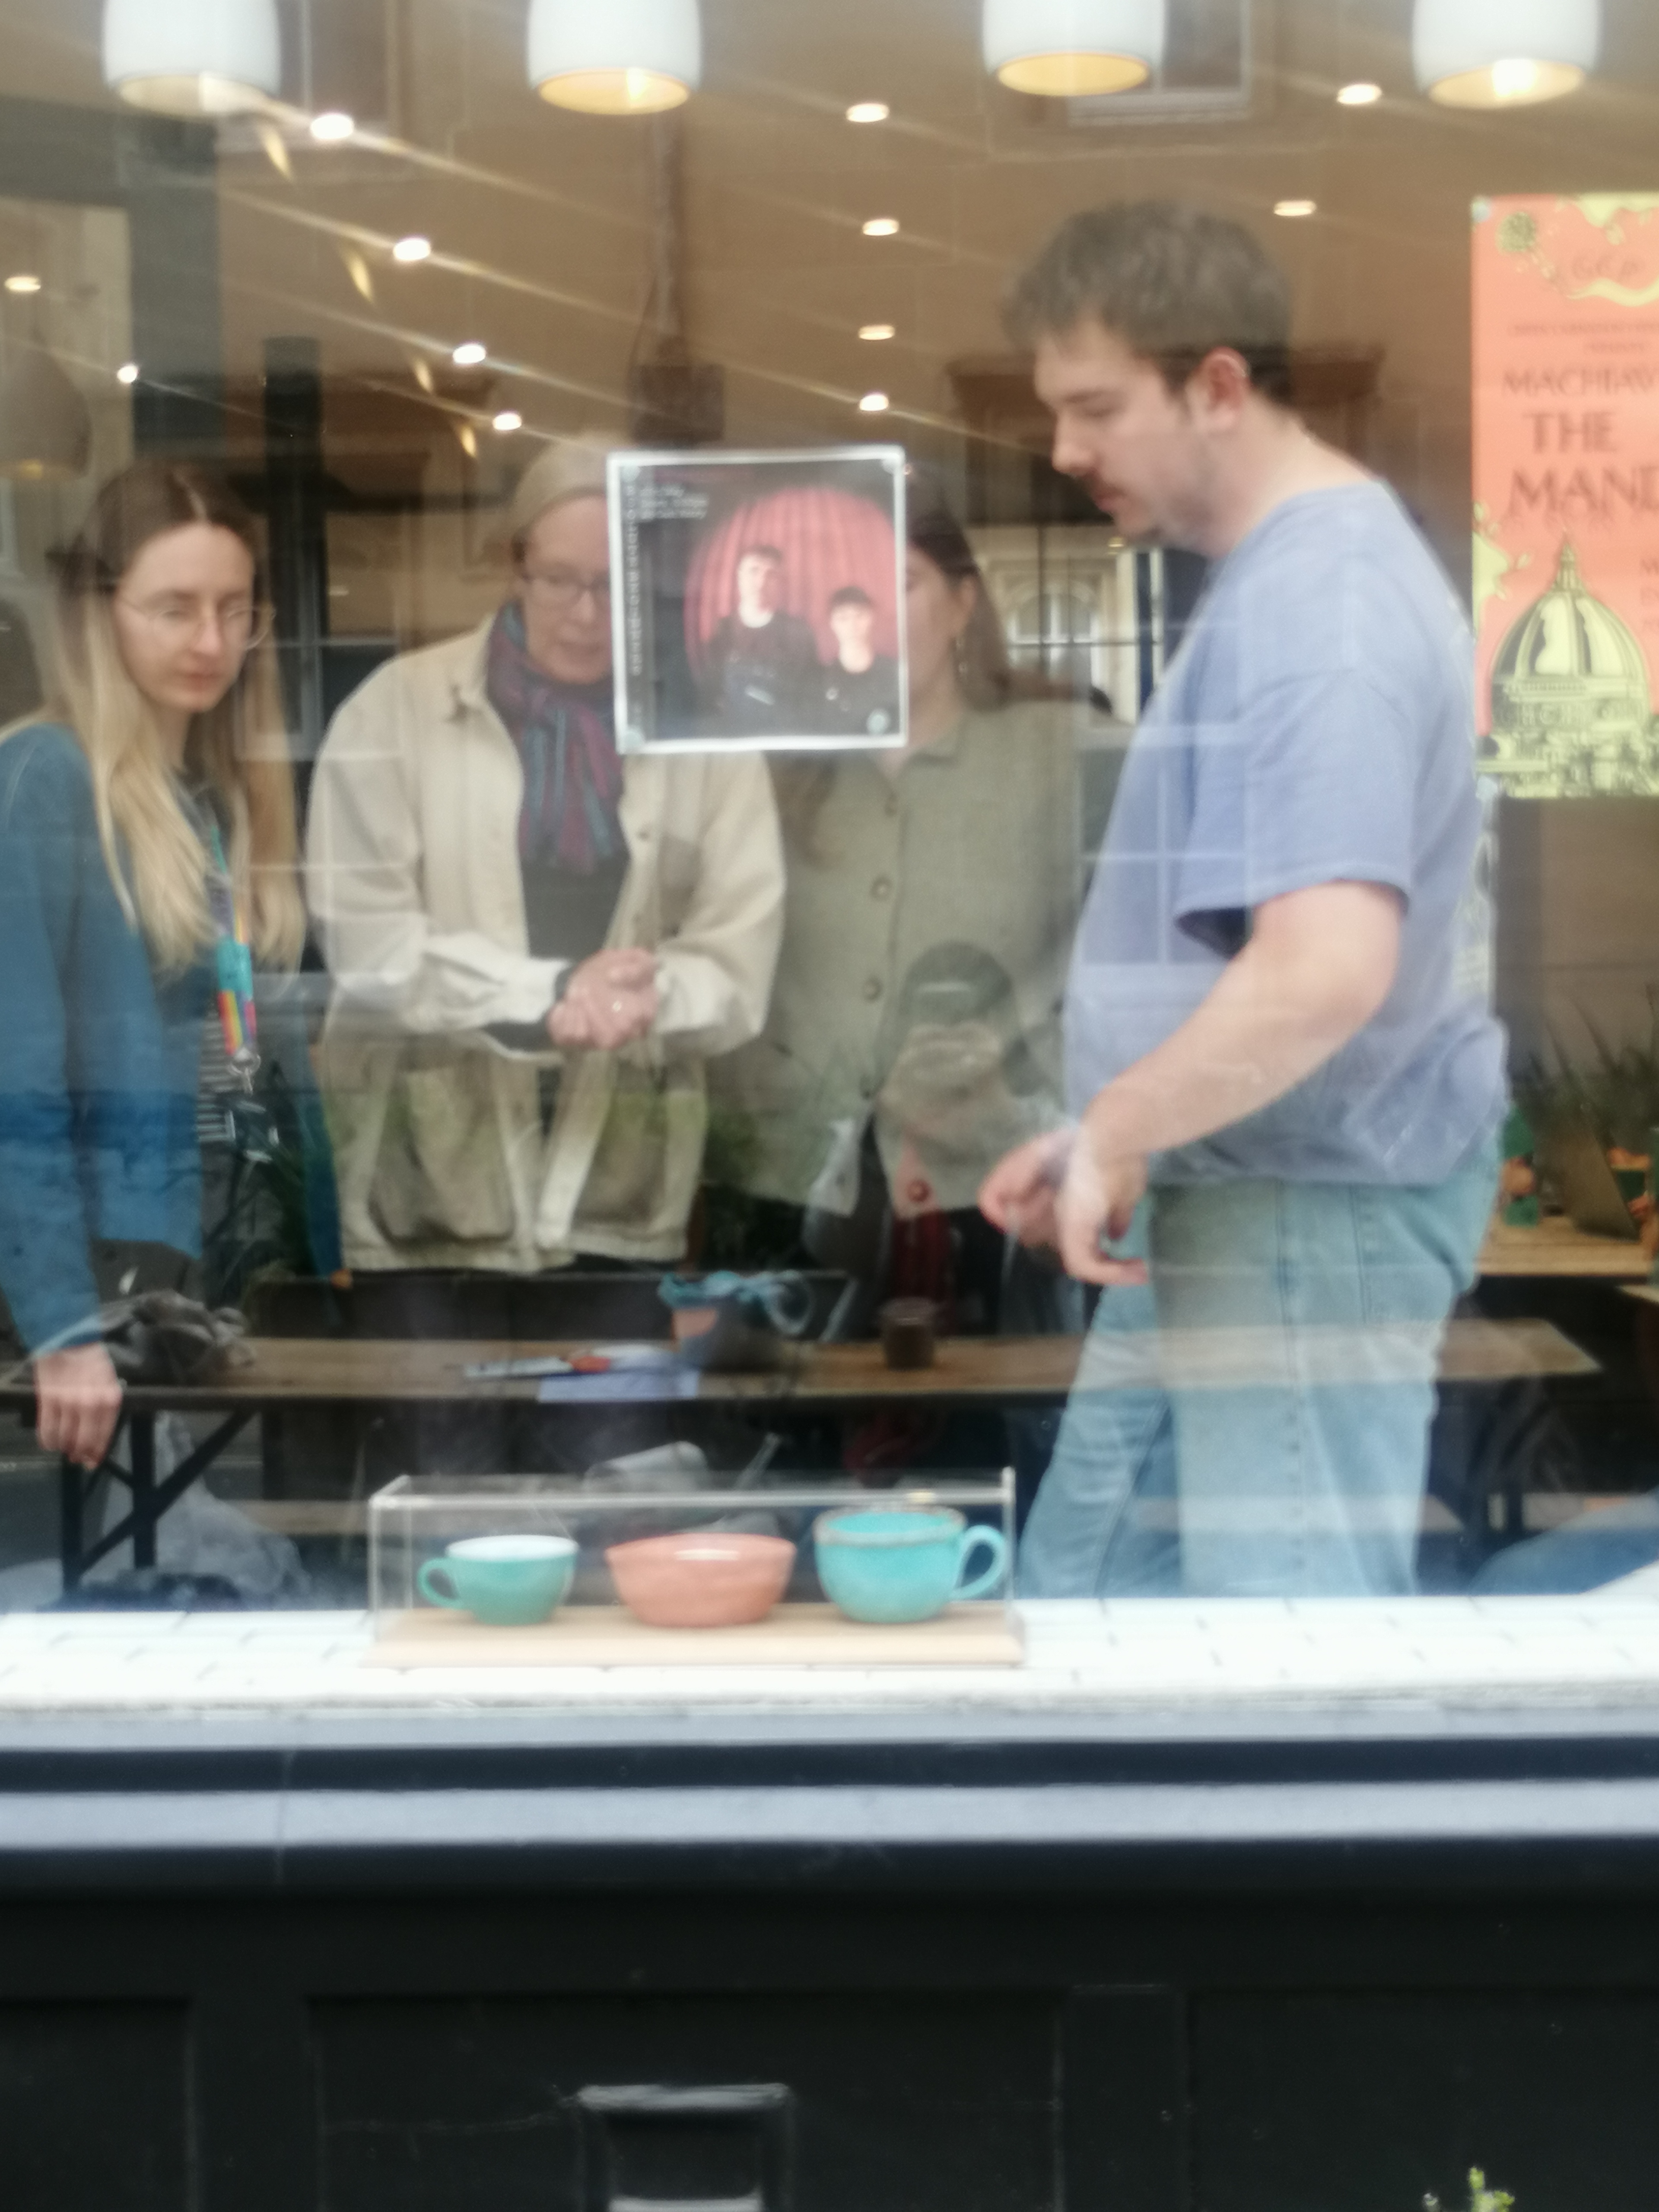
(141,1453)
(71,1501)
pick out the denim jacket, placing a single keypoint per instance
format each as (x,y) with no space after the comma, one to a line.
(99,1058)
(99,1055)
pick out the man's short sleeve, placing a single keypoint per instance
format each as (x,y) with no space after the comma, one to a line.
(1314,782)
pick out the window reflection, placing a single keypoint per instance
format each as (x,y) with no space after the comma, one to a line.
(1120,957)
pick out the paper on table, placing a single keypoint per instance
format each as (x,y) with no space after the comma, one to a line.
(644,1371)
(627,1382)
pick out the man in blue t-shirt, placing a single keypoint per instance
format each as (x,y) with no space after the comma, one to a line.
(1286,1080)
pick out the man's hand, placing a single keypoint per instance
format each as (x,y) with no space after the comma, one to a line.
(1019,1195)
(78,1401)
(1096,1207)
(611,1001)
(1054,1192)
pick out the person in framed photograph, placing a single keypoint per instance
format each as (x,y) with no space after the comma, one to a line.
(860,685)
(763,676)
(537,943)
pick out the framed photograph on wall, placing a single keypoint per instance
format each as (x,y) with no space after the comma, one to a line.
(758,599)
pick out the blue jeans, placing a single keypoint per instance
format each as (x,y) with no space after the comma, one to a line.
(1254,1422)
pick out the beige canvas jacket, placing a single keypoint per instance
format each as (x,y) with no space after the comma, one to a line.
(412,871)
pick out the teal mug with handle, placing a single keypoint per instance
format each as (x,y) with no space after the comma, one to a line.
(505,1582)
(891,1564)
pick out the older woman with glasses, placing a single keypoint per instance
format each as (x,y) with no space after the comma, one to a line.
(535,943)
(146,860)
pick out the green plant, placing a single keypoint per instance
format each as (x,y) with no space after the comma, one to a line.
(732,1227)
(1616,1094)
(1481,2199)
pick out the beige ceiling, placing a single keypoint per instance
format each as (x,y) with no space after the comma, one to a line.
(542,220)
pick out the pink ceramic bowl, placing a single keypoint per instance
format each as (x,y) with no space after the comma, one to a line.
(701,1579)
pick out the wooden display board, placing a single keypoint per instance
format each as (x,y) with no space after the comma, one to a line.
(983,1635)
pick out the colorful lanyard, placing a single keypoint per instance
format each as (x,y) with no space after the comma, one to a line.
(233,971)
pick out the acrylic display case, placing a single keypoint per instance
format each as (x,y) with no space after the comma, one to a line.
(646,1562)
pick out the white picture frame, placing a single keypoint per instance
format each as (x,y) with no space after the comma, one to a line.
(757,599)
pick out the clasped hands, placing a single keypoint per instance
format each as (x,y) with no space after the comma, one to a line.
(610,1000)
(1071,1193)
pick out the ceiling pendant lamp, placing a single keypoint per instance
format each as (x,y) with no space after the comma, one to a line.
(1503,54)
(1069,49)
(193,56)
(45,431)
(623,58)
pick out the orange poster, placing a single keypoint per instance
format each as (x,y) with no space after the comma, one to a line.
(1566,492)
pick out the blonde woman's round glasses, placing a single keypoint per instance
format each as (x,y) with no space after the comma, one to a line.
(179,623)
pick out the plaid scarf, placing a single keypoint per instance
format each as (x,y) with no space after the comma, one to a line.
(572,776)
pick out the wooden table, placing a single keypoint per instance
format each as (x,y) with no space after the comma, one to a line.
(285,1372)
(1556,1248)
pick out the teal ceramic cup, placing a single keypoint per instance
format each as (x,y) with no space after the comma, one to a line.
(505,1582)
(890,1564)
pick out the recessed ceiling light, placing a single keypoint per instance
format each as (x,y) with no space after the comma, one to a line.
(873,402)
(469,355)
(1292,209)
(22,282)
(127,373)
(1359,95)
(508,421)
(882,226)
(412,249)
(875,332)
(333,125)
(868,111)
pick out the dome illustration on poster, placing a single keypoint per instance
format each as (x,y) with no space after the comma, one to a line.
(1566,493)
(1570,710)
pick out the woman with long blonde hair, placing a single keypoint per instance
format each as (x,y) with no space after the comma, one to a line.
(146,860)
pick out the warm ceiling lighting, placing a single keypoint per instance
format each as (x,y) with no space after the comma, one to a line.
(193,56)
(127,373)
(1503,54)
(873,402)
(1359,95)
(469,355)
(22,281)
(507,421)
(882,226)
(333,126)
(1071,49)
(1293,210)
(412,249)
(627,58)
(875,332)
(868,111)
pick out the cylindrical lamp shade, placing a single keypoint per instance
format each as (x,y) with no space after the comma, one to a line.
(45,431)
(1069,49)
(1503,54)
(193,56)
(620,58)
